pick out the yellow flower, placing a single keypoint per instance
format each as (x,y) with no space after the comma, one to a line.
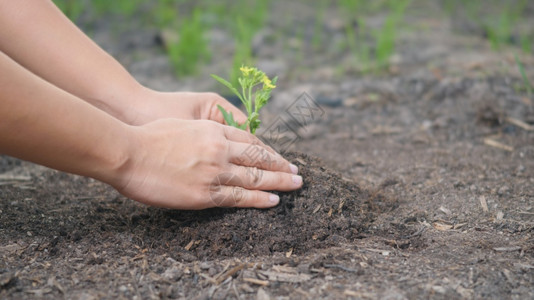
(267,84)
(246,70)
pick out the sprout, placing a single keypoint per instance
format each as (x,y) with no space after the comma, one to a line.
(252,96)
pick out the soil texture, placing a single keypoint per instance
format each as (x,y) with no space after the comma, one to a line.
(418,180)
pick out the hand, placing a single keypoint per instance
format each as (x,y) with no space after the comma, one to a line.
(185,164)
(150,106)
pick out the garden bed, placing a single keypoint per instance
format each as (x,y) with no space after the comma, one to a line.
(418,180)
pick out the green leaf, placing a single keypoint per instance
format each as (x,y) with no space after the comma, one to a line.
(229,118)
(229,86)
(242,126)
(254,123)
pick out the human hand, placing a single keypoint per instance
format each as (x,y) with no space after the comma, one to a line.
(150,106)
(185,164)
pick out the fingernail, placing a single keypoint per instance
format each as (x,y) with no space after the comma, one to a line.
(294,169)
(297,180)
(274,199)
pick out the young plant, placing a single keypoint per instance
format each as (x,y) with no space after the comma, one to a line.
(255,91)
(191,49)
(526,82)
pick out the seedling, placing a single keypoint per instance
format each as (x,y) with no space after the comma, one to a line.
(252,96)
(191,48)
(526,82)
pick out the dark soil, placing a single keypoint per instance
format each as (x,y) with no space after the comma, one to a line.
(424,187)
(325,212)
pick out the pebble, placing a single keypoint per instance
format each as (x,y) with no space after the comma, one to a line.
(503,190)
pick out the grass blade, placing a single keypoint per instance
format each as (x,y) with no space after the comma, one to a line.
(527,83)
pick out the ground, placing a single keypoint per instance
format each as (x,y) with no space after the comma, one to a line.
(419,183)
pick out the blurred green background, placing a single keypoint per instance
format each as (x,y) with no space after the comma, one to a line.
(367,35)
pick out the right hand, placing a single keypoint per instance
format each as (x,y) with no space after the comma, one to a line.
(198,164)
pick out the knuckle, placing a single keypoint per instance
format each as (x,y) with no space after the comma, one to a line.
(239,195)
(255,176)
(215,146)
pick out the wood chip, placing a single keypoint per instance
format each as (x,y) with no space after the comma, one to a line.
(483,203)
(441,226)
(351,293)
(459,225)
(288,253)
(224,275)
(507,249)
(285,277)
(53,282)
(445,210)
(10,177)
(188,246)
(499,216)
(494,143)
(302,162)
(340,206)
(520,124)
(135,258)
(256,281)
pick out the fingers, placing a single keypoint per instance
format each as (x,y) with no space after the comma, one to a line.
(251,155)
(241,136)
(257,179)
(235,196)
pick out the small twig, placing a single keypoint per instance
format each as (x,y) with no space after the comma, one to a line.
(507,249)
(9,177)
(483,203)
(256,281)
(494,143)
(222,277)
(520,123)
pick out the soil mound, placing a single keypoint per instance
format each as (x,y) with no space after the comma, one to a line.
(60,209)
(327,211)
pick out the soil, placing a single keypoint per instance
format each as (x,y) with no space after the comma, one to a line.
(418,183)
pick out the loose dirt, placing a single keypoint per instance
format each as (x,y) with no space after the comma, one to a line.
(419,183)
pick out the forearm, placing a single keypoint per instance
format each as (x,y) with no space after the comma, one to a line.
(44,124)
(40,38)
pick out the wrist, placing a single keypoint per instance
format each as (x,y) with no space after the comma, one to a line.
(124,102)
(115,159)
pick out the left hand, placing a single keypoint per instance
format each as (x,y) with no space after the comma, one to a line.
(152,105)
